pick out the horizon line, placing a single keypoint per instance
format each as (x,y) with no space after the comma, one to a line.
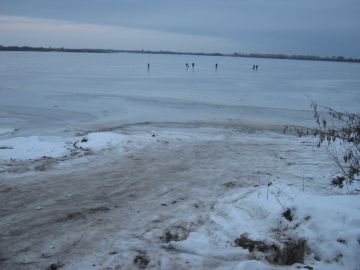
(144,51)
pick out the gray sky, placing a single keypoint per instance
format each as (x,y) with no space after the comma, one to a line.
(316,27)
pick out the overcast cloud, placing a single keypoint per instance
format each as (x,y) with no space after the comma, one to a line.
(320,27)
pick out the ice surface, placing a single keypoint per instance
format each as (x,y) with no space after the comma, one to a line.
(45,93)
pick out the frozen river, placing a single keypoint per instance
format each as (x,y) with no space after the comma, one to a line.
(49,93)
(176,193)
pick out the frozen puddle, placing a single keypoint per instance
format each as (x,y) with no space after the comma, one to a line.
(150,197)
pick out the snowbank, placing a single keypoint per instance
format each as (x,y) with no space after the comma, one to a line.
(101,140)
(22,148)
(330,225)
(35,147)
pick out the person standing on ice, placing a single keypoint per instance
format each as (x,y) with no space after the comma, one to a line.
(193,65)
(148,65)
(216,66)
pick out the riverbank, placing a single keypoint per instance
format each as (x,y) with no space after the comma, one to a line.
(175,197)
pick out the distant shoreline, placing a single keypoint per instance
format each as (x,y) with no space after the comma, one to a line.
(247,55)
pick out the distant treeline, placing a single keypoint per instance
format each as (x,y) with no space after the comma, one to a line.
(50,49)
(250,55)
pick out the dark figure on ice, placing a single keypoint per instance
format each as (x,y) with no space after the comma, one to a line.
(253,68)
(193,65)
(256,67)
(187,66)
(148,65)
(216,66)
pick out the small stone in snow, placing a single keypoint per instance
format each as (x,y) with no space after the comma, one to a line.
(288,215)
(53,266)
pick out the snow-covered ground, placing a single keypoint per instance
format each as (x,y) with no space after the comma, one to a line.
(176,197)
(103,166)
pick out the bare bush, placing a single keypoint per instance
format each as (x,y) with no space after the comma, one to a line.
(341,129)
